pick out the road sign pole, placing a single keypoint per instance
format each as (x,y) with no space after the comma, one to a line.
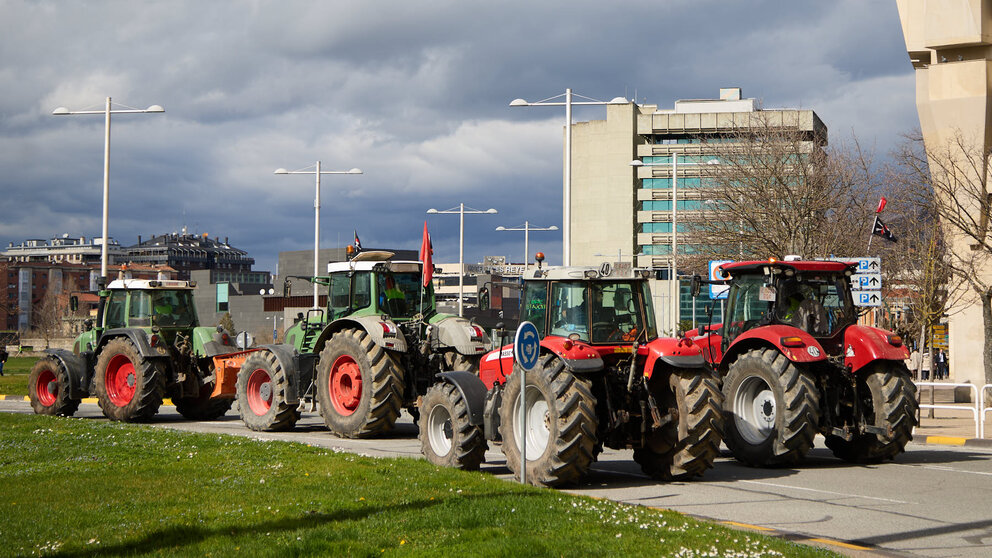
(523,425)
(526,353)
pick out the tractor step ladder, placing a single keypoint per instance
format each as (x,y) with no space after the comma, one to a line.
(312,326)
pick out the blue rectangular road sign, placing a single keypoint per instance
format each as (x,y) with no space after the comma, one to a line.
(866,281)
(866,298)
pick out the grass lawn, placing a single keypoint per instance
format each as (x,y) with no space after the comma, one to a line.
(14,381)
(74,487)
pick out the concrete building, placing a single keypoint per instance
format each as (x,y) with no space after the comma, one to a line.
(627,211)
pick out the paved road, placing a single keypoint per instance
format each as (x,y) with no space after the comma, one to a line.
(932,501)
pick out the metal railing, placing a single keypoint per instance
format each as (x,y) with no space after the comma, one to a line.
(977,408)
(984,409)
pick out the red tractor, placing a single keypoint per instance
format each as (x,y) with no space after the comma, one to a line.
(604,378)
(795,362)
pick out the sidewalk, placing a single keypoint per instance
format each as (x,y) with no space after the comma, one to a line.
(950,427)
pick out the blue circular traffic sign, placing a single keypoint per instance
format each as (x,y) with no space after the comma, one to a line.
(527,346)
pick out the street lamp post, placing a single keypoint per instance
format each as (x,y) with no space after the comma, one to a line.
(567,182)
(673,277)
(316,216)
(461,211)
(527,228)
(275,321)
(62,111)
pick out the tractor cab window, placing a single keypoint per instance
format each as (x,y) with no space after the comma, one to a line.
(569,310)
(399,293)
(173,308)
(534,302)
(339,295)
(361,289)
(815,304)
(139,312)
(748,304)
(616,313)
(115,309)
(650,326)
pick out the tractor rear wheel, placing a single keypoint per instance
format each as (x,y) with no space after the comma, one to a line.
(561,424)
(48,389)
(771,408)
(687,446)
(360,386)
(261,389)
(203,407)
(455,361)
(128,386)
(446,436)
(888,400)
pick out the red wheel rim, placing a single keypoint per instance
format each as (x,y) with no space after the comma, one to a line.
(121,380)
(259,390)
(46,381)
(345,385)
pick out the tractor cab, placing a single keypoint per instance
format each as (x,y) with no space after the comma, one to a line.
(373,284)
(146,303)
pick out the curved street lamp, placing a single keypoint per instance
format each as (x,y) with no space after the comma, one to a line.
(461,211)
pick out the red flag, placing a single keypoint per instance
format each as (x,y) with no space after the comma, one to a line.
(427,256)
(881,205)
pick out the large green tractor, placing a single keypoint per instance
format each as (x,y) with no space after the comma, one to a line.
(147,344)
(374,350)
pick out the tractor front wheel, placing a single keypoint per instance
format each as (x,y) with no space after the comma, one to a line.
(203,407)
(560,434)
(359,384)
(446,436)
(772,409)
(128,386)
(888,400)
(685,447)
(48,389)
(261,393)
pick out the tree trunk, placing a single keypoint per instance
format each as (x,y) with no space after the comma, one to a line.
(986,297)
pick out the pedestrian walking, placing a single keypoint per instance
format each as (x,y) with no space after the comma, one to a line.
(3,358)
(914,364)
(941,373)
(925,367)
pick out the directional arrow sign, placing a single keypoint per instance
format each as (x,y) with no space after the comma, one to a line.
(866,281)
(866,298)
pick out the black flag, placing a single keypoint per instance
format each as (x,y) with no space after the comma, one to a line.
(882,230)
(358,243)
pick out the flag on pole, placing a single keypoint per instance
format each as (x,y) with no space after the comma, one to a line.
(427,256)
(882,230)
(358,243)
(881,205)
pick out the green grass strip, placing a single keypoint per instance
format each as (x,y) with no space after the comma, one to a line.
(75,487)
(14,381)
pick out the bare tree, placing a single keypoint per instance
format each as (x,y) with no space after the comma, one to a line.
(778,191)
(957,173)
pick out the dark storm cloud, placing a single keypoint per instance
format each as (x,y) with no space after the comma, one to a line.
(415,94)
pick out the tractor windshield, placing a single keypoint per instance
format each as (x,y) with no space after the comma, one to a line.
(817,304)
(400,294)
(169,308)
(600,312)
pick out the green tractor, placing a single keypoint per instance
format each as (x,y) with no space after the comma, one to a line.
(374,350)
(147,345)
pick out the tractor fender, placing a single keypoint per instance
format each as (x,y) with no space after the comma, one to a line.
(806,349)
(208,342)
(473,392)
(676,352)
(463,335)
(384,332)
(864,345)
(138,337)
(78,369)
(287,358)
(579,358)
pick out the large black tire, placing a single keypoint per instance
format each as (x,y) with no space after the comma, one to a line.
(455,361)
(359,384)
(261,393)
(203,407)
(687,446)
(446,437)
(772,409)
(48,389)
(888,400)
(561,424)
(128,386)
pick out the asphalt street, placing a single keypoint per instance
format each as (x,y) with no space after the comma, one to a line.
(931,501)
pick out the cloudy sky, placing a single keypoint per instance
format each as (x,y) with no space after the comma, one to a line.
(414,93)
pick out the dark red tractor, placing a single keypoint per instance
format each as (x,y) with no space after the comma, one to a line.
(603,378)
(795,362)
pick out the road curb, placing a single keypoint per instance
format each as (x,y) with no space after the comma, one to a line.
(165,402)
(954,441)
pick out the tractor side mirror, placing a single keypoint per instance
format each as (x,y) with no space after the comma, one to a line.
(695,286)
(73,303)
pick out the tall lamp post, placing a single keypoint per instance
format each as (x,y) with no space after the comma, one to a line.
(527,228)
(461,211)
(316,216)
(62,111)
(673,277)
(566,239)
